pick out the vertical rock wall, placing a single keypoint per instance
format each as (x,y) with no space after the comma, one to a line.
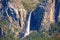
(49,14)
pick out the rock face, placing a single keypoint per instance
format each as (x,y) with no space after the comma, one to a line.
(40,18)
(15,13)
(1,32)
(49,14)
(36,18)
(57,11)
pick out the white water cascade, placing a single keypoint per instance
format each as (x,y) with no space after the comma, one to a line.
(27,32)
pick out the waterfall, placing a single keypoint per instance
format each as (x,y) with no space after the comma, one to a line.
(28,26)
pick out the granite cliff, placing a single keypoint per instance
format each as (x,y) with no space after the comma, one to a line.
(16,13)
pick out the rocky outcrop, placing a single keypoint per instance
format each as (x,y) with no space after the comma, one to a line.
(15,13)
(57,11)
(1,32)
(49,14)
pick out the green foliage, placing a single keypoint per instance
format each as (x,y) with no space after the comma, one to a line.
(51,34)
(3,22)
(54,29)
(46,36)
(28,6)
(40,0)
(8,35)
(37,36)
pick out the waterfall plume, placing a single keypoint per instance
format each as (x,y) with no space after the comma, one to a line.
(28,26)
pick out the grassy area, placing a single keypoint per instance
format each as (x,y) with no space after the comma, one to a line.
(9,35)
(31,4)
(28,6)
(3,22)
(51,34)
(37,36)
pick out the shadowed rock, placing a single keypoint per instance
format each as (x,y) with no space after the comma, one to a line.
(36,18)
(57,8)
